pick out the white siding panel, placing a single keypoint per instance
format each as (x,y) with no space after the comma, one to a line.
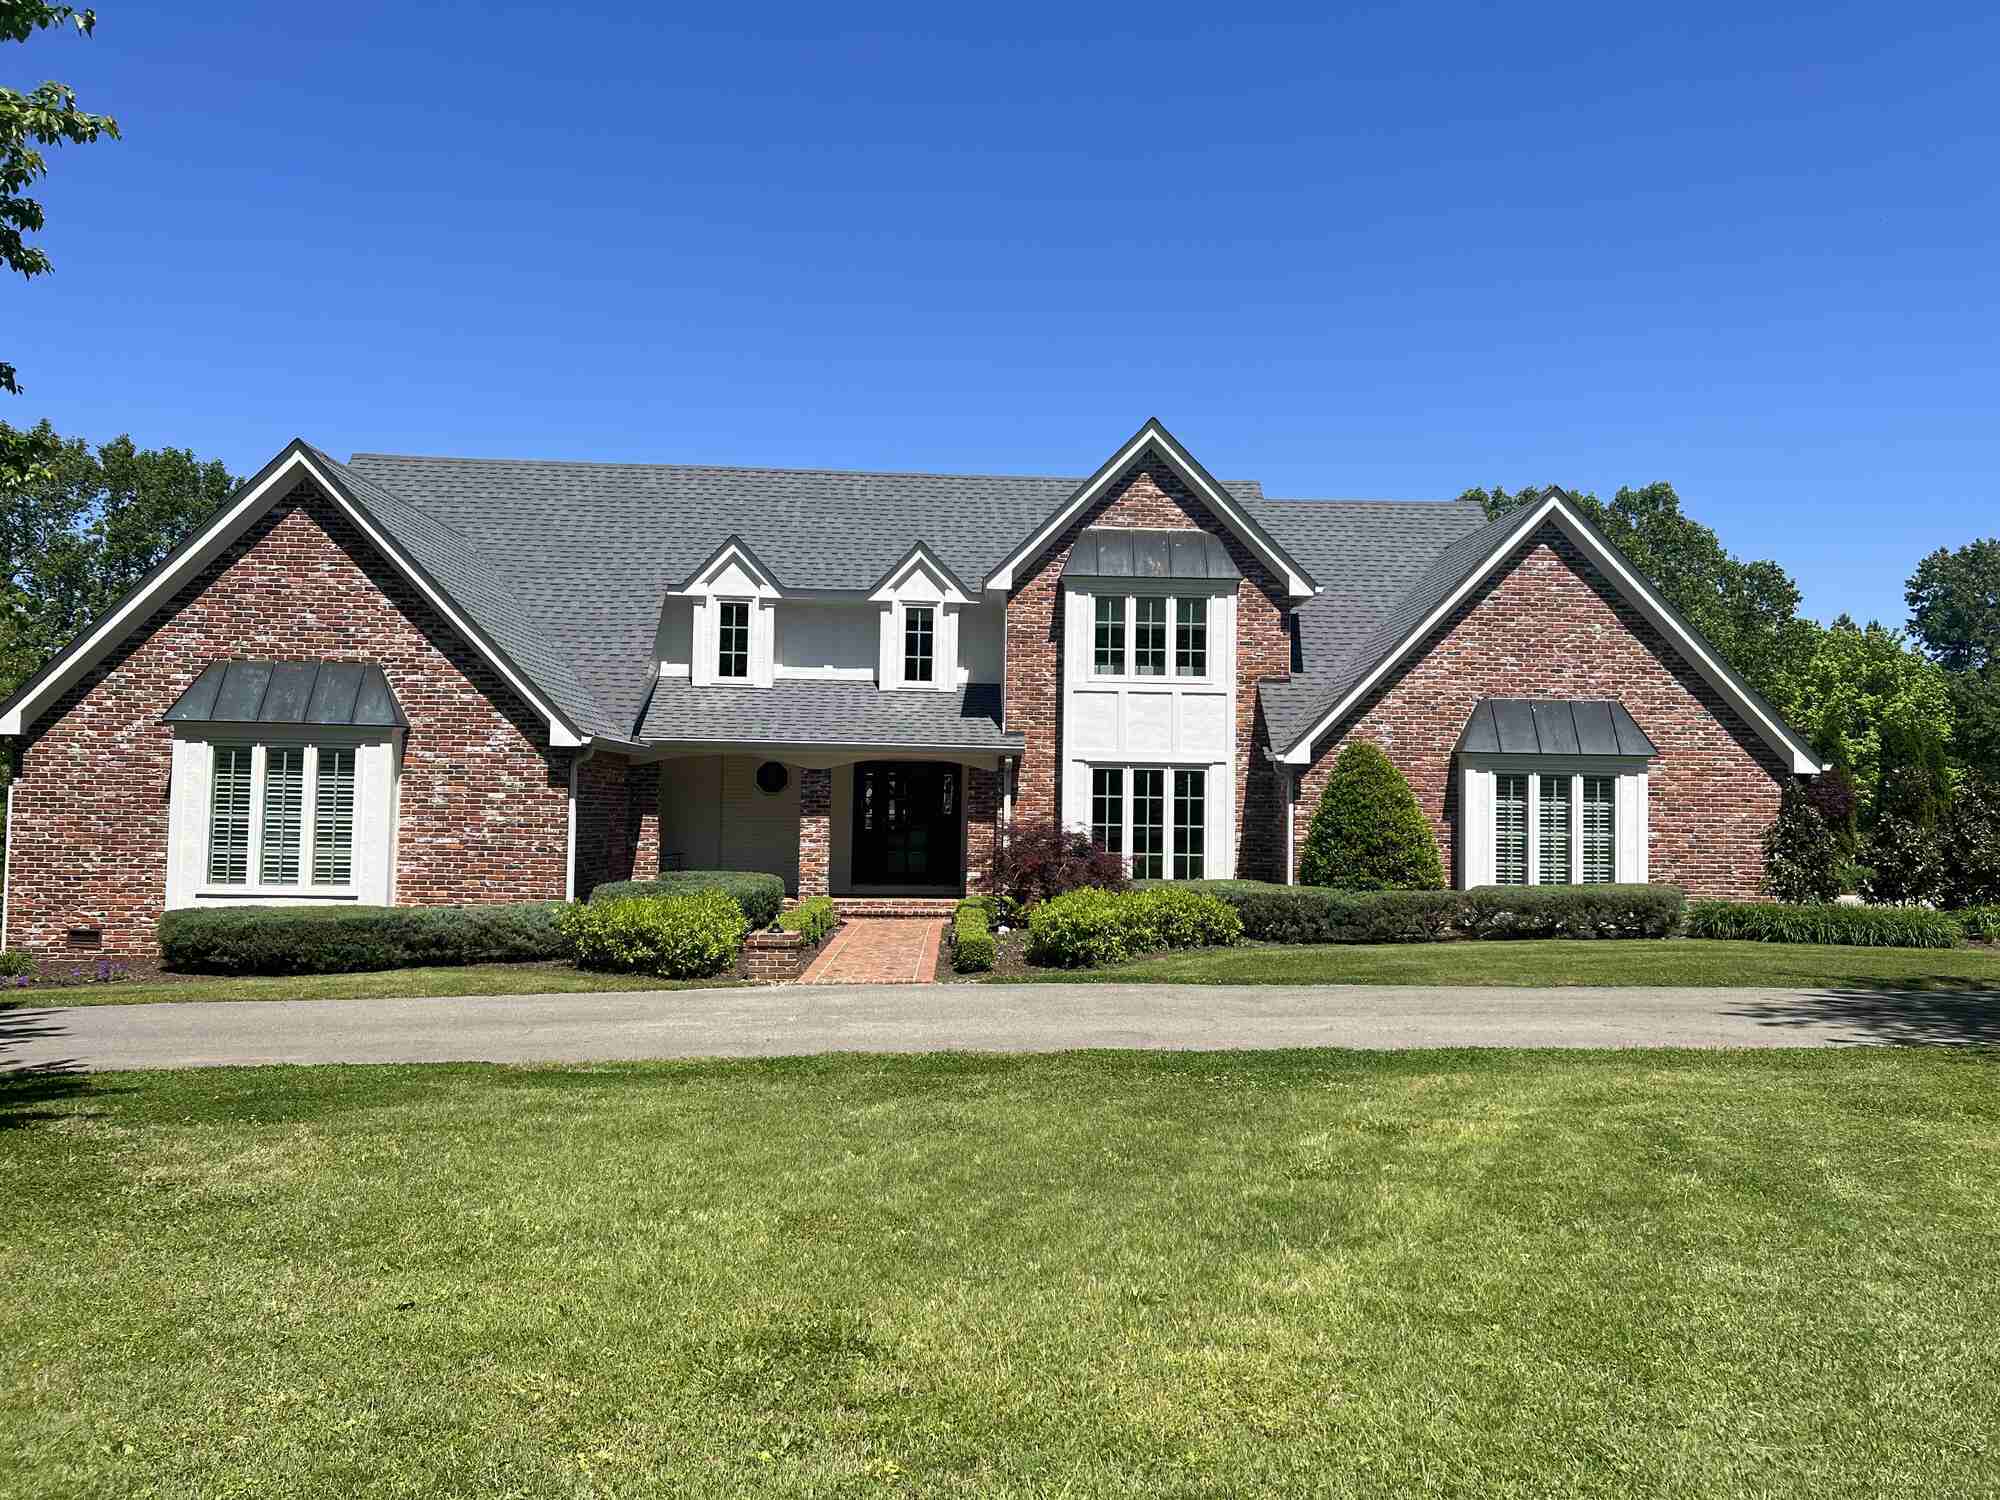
(1149,724)
(982,630)
(1093,722)
(827,640)
(1205,725)
(758,832)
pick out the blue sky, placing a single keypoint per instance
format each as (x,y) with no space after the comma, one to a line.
(1390,251)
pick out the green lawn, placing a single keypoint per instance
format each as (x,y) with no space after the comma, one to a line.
(1240,1274)
(471,979)
(1639,961)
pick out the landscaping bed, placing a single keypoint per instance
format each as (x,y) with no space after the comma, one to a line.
(1204,1274)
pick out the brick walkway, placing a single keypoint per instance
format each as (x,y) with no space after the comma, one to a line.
(879,950)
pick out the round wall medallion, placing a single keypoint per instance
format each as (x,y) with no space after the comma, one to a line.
(773,778)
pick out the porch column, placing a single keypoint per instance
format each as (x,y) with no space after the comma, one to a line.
(815,832)
(981,805)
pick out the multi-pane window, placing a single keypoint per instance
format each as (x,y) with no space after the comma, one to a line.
(1510,830)
(1600,830)
(1109,659)
(732,639)
(1107,809)
(1190,823)
(1149,823)
(1190,637)
(1149,637)
(307,802)
(1554,815)
(919,632)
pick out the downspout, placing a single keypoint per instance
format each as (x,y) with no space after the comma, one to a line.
(1291,802)
(575,764)
(1006,795)
(7,871)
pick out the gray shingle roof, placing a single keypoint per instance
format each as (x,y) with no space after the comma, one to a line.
(1553,726)
(801,711)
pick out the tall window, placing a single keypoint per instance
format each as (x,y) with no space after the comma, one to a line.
(732,639)
(1190,823)
(307,803)
(1555,813)
(1107,808)
(1149,637)
(1510,830)
(1109,660)
(229,816)
(1149,824)
(918,632)
(1190,637)
(1600,830)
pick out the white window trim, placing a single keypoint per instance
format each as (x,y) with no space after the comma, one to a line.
(1210,845)
(377,792)
(919,581)
(1478,864)
(1087,669)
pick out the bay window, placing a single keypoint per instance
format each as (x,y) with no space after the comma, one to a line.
(1554,827)
(268,805)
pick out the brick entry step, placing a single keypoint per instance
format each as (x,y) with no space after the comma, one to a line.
(879,950)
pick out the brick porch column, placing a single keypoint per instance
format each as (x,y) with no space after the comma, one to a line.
(982,819)
(815,832)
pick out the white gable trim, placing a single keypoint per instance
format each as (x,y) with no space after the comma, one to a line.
(1156,437)
(895,583)
(706,580)
(223,532)
(1634,588)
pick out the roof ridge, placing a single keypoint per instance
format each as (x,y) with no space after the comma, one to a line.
(403,500)
(604,463)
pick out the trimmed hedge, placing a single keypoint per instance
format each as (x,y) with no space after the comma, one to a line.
(1316,914)
(689,936)
(759,895)
(1084,928)
(350,939)
(816,918)
(1847,926)
(973,946)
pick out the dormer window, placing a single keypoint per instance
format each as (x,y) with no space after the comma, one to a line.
(732,639)
(919,638)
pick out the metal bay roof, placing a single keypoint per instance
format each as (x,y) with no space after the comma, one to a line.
(1126,552)
(289,692)
(1553,726)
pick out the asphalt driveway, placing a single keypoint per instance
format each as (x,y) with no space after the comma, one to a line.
(783,1021)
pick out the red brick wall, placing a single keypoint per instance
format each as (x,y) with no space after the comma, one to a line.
(815,832)
(484,814)
(982,817)
(1149,493)
(617,821)
(1550,626)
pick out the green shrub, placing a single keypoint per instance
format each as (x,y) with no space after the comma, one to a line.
(14,964)
(1571,911)
(816,918)
(1084,928)
(973,946)
(1802,854)
(687,936)
(1850,926)
(1980,923)
(1311,914)
(1369,834)
(349,939)
(758,895)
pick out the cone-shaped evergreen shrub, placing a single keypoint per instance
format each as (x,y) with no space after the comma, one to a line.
(1369,834)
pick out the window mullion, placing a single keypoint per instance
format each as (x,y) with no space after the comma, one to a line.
(254,873)
(308,815)
(1579,858)
(1534,799)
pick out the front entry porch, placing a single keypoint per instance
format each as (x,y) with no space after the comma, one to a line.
(885,834)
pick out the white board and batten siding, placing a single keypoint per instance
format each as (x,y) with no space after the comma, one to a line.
(1174,722)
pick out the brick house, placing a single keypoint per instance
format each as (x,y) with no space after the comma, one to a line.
(442,680)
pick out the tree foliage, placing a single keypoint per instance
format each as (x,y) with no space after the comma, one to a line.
(1802,858)
(78,534)
(46,117)
(1368,833)
(1748,610)
(1857,685)
(1954,600)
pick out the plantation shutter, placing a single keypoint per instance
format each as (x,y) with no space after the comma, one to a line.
(1510,830)
(229,817)
(1600,830)
(333,819)
(1555,812)
(284,813)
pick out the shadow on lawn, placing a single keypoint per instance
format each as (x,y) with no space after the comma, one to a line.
(1891,1016)
(26,1087)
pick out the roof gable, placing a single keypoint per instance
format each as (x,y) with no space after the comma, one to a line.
(1152,438)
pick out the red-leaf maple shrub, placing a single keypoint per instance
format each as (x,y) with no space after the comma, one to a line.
(1043,859)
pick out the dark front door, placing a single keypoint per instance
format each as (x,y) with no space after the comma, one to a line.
(906,823)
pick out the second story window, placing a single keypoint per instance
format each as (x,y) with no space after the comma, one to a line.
(919,633)
(1190,637)
(1149,638)
(732,639)
(1109,660)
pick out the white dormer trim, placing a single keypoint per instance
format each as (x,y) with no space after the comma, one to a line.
(732,575)
(1557,510)
(1298,583)
(922,581)
(244,510)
